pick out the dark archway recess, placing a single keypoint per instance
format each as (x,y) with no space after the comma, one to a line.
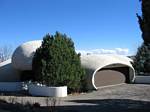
(27,75)
(111,76)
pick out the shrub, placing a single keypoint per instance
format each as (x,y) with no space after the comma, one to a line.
(56,63)
(142,59)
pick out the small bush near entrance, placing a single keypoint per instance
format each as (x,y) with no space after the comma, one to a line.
(56,63)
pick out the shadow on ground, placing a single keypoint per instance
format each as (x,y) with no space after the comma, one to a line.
(17,94)
(108,105)
(105,105)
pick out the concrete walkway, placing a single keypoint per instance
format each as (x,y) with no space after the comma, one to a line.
(123,98)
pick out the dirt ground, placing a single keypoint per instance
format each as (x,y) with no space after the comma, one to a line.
(123,98)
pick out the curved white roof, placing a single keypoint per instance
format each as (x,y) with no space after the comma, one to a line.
(22,56)
(94,63)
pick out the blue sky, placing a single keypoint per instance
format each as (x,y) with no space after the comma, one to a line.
(92,24)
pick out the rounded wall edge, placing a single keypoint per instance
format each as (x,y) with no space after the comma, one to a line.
(37,90)
(133,77)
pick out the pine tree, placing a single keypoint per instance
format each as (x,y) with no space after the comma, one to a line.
(142,58)
(144,21)
(57,64)
(40,58)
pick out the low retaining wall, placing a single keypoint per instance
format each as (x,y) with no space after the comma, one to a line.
(142,79)
(38,90)
(10,86)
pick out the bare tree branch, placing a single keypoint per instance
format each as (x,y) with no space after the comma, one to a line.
(5,53)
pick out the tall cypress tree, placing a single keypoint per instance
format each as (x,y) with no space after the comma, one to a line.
(144,21)
(142,58)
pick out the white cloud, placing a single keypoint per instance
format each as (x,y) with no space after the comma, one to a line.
(120,51)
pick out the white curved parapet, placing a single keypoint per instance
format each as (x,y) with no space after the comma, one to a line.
(22,56)
(38,90)
(10,86)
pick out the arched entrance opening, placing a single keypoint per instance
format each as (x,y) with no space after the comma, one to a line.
(112,75)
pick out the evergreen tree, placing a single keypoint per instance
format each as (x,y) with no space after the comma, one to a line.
(57,64)
(142,58)
(40,58)
(144,21)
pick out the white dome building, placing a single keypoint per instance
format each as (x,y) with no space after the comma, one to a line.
(101,70)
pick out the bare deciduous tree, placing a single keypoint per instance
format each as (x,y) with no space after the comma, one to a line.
(5,53)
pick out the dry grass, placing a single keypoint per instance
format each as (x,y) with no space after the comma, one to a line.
(12,104)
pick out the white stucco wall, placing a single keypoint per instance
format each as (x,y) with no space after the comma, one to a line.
(8,73)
